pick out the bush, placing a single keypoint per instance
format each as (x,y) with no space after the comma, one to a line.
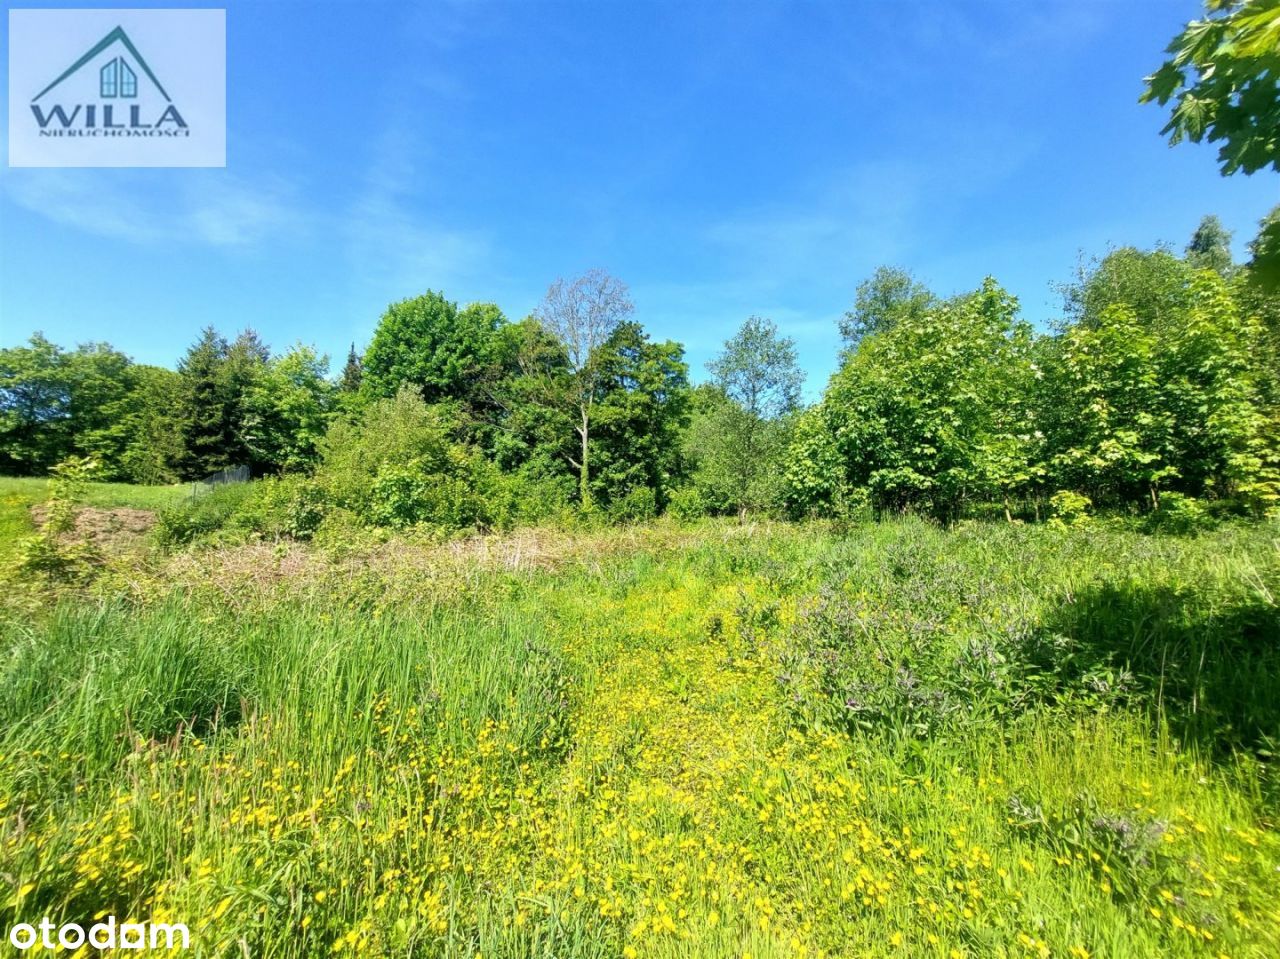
(1069,508)
(286,506)
(533,496)
(57,553)
(1179,514)
(341,533)
(687,504)
(399,465)
(67,562)
(636,506)
(202,514)
(852,507)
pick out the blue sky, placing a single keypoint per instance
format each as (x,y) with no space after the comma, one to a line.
(723,159)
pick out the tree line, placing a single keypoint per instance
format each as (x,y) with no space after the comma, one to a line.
(1163,376)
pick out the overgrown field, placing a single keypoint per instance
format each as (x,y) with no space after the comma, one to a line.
(718,740)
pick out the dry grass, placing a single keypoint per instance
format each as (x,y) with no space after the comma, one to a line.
(411,569)
(113,530)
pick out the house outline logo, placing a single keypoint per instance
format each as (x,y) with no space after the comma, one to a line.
(120,69)
(117,87)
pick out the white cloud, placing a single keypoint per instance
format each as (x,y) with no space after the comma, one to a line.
(873,212)
(403,254)
(213,208)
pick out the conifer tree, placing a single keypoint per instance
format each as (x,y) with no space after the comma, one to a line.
(352,373)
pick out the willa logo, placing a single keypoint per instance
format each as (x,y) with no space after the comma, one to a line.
(94,99)
(116,79)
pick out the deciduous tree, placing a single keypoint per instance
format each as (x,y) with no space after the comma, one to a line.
(883,299)
(582,314)
(759,377)
(428,343)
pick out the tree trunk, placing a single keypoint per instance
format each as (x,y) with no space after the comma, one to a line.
(584,486)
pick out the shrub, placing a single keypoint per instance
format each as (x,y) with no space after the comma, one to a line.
(1179,514)
(291,506)
(687,504)
(635,506)
(534,496)
(852,507)
(396,498)
(341,532)
(399,465)
(56,553)
(202,514)
(1070,508)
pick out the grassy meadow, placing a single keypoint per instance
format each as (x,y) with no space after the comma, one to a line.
(667,740)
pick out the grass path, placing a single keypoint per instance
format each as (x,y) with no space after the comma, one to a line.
(739,833)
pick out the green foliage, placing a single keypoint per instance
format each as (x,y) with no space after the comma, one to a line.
(1135,406)
(758,370)
(1224,76)
(154,446)
(687,504)
(67,488)
(56,553)
(1108,431)
(34,396)
(534,495)
(400,464)
(290,507)
(214,400)
(1165,377)
(416,494)
(933,413)
(620,408)
(1151,283)
(533,423)
(816,474)
(1069,507)
(352,372)
(90,401)
(581,316)
(1179,514)
(740,425)
(640,413)
(1264,249)
(287,410)
(636,506)
(202,514)
(428,343)
(889,295)
(1210,247)
(914,634)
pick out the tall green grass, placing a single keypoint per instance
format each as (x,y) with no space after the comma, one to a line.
(993,740)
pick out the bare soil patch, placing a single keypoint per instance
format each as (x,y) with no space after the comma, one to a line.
(111,530)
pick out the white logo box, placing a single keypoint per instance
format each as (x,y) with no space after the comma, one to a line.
(117,88)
